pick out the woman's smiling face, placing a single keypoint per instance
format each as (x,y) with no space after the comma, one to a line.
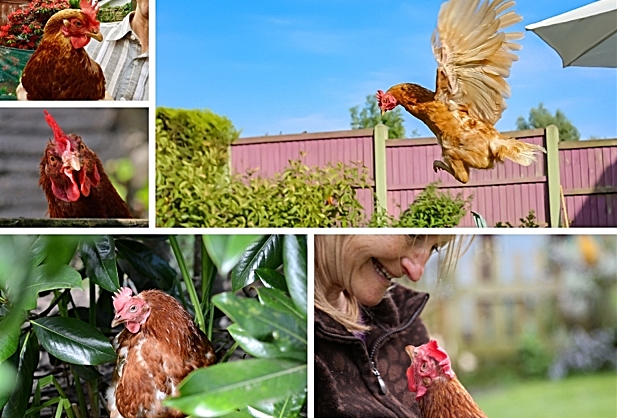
(370,262)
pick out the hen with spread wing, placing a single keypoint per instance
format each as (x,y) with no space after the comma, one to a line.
(474,56)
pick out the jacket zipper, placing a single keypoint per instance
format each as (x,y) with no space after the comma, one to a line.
(379,342)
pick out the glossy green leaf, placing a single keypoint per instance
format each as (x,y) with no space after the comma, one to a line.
(99,257)
(272,278)
(276,299)
(10,329)
(226,250)
(266,252)
(289,407)
(27,364)
(225,387)
(54,249)
(277,348)
(73,341)
(7,371)
(294,264)
(49,277)
(261,321)
(147,263)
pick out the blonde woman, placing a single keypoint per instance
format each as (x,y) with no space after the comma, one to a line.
(363,321)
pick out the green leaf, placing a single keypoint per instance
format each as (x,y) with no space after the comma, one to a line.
(54,249)
(27,364)
(9,333)
(73,341)
(294,264)
(278,348)
(49,277)
(226,250)
(224,387)
(263,322)
(98,255)
(7,371)
(146,262)
(267,252)
(289,407)
(272,278)
(276,299)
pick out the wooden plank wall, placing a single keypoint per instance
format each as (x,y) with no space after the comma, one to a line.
(589,181)
(506,193)
(9,6)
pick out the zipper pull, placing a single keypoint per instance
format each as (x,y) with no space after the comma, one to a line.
(382,385)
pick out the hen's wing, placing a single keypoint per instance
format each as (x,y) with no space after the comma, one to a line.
(474,55)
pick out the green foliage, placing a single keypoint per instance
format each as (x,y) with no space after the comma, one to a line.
(529,221)
(195,189)
(534,358)
(541,117)
(370,116)
(434,209)
(270,325)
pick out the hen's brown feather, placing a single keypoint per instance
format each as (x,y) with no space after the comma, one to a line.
(57,71)
(447,398)
(153,361)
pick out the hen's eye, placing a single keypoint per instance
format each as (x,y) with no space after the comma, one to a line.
(78,23)
(424,366)
(82,146)
(52,159)
(133,308)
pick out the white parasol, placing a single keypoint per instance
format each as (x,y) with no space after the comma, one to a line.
(583,37)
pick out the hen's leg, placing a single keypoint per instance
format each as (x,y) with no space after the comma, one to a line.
(456,168)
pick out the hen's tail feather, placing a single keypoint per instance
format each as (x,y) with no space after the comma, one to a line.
(518,151)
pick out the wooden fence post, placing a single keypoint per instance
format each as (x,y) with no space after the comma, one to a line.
(380,135)
(552,174)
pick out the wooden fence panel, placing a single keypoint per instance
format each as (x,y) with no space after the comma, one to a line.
(589,181)
(507,193)
(9,6)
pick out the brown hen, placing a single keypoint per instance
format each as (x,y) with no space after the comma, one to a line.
(74,180)
(60,68)
(474,57)
(159,346)
(437,389)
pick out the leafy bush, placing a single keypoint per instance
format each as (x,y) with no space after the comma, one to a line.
(434,209)
(195,189)
(534,358)
(24,29)
(529,221)
(76,338)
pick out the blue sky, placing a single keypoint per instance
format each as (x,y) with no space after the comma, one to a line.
(298,65)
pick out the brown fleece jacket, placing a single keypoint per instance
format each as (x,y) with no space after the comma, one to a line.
(345,381)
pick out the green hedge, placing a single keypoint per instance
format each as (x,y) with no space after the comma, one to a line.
(195,187)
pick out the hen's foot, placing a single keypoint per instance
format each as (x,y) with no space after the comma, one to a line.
(440,165)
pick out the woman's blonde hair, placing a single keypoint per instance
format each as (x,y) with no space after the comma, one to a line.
(329,250)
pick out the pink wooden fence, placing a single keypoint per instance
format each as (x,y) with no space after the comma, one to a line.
(506,193)
(589,180)
(586,171)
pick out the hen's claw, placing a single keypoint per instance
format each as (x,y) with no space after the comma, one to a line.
(440,165)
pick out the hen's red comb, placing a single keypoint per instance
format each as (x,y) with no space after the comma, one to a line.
(439,354)
(121,297)
(59,135)
(90,9)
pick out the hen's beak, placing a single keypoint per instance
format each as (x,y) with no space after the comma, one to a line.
(411,351)
(382,112)
(117,321)
(95,34)
(71,159)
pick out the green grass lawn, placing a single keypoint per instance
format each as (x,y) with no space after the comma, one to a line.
(575,397)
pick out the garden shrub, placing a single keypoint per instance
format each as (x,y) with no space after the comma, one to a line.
(434,209)
(195,187)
